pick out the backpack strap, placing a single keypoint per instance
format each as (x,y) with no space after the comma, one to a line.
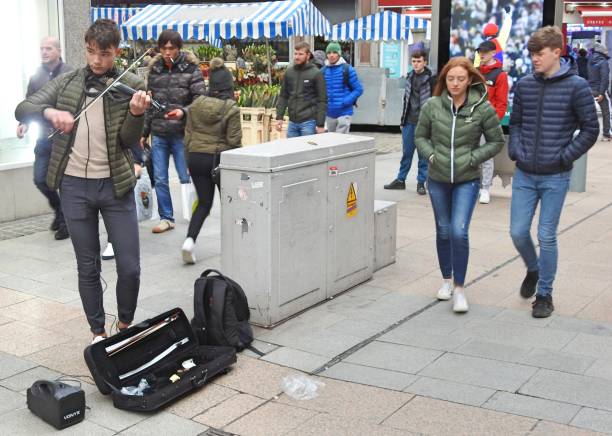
(199,301)
(491,76)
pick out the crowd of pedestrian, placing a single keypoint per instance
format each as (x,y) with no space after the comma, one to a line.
(452,121)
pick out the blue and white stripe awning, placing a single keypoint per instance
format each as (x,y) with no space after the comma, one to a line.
(382,26)
(118,15)
(231,20)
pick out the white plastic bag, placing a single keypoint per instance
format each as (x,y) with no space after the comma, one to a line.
(143,195)
(300,387)
(189,199)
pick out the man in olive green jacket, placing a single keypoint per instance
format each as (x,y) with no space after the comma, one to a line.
(92,166)
(304,93)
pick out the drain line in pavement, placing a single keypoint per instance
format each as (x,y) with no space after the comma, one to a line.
(396,324)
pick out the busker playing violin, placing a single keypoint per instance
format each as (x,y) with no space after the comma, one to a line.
(92,166)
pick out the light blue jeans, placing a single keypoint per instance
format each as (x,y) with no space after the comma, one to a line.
(408,153)
(161,150)
(301,129)
(527,190)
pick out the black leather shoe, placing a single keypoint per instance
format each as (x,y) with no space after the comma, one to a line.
(542,306)
(421,189)
(528,287)
(396,184)
(62,233)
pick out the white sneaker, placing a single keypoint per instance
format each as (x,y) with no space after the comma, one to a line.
(460,303)
(446,290)
(97,338)
(187,250)
(485,197)
(108,253)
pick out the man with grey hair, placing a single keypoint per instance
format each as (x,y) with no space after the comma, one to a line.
(51,67)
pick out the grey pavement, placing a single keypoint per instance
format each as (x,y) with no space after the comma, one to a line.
(393,360)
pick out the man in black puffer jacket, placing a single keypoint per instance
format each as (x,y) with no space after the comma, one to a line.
(175,80)
(548,107)
(599,79)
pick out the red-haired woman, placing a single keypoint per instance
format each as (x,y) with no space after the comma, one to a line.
(448,135)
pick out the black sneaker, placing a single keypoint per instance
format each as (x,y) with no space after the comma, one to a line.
(542,306)
(62,233)
(55,224)
(528,287)
(421,189)
(396,184)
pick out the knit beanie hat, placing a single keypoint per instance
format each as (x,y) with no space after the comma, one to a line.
(333,47)
(220,80)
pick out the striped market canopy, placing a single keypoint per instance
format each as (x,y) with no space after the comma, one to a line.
(118,15)
(382,26)
(230,20)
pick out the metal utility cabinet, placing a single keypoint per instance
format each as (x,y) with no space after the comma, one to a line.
(296,221)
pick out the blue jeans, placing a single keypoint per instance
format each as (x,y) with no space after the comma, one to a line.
(527,190)
(301,129)
(408,153)
(42,155)
(161,150)
(453,205)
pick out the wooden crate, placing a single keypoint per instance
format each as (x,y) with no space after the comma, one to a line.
(252,121)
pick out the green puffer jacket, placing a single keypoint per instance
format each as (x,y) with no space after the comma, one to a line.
(213,126)
(304,93)
(454,139)
(122,128)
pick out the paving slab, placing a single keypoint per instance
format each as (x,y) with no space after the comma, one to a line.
(600,368)
(494,351)
(394,357)
(271,419)
(11,365)
(20,382)
(102,412)
(66,358)
(430,416)
(450,391)
(367,375)
(23,423)
(423,338)
(9,297)
(297,359)
(523,405)
(352,401)
(480,372)
(557,360)
(598,420)
(545,428)
(596,346)
(21,339)
(229,410)
(570,388)
(201,400)
(164,423)
(327,425)
(10,400)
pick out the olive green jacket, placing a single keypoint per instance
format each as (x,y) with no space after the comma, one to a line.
(123,129)
(451,141)
(213,126)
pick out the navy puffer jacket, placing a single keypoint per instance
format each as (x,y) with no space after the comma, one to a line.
(341,96)
(545,114)
(599,70)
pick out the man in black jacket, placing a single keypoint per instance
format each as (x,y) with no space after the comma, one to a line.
(419,87)
(174,79)
(548,107)
(304,93)
(51,67)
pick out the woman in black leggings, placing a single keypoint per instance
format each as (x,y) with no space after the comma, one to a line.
(213,126)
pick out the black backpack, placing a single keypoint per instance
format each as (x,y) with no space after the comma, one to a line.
(221,312)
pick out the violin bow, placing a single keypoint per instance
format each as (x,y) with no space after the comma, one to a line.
(104,91)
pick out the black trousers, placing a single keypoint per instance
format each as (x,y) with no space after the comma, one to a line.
(200,165)
(82,200)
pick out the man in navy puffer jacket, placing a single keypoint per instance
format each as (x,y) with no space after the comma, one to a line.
(548,107)
(343,90)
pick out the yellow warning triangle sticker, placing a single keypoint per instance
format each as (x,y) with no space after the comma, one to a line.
(351,202)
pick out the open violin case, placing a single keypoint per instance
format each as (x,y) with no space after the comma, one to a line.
(163,351)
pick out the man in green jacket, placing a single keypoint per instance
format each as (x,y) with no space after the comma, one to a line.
(92,166)
(304,93)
